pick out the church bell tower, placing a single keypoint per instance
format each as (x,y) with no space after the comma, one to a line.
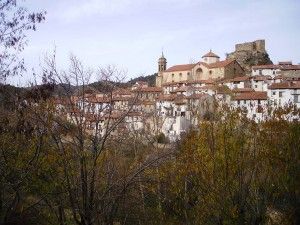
(162,66)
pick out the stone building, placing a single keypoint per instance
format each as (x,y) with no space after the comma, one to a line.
(209,68)
(249,54)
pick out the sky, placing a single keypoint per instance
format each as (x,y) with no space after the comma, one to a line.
(131,34)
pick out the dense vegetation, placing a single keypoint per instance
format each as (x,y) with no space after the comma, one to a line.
(230,170)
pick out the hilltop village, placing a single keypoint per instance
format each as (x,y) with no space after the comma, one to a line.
(185,94)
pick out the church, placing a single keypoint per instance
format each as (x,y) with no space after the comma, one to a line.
(210,67)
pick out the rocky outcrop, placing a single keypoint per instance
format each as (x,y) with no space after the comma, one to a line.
(249,54)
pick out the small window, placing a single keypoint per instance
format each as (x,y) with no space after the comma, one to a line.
(274,93)
(259,102)
(280,94)
(296,99)
(260,72)
(188,73)
(238,102)
(255,86)
(244,101)
(273,72)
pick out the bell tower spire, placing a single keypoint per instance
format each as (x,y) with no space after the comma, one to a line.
(162,63)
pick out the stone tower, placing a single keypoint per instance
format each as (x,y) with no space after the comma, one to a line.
(162,66)
(162,63)
(250,54)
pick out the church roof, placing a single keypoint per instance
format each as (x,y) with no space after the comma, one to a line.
(220,63)
(188,67)
(183,67)
(210,54)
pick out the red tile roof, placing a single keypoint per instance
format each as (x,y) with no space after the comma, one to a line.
(188,67)
(261,78)
(197,96)
(239,79)
(278,66)
(148,89)
(242,90)
(166,97)
(220,64)
(210,54)
(257,95)
(174,83)
(285,85)
(184,67)
(209,81)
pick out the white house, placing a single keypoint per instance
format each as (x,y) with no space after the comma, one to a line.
(284,93)
(273,70)
(254,103)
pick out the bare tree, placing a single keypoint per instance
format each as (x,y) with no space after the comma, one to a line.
(14,22)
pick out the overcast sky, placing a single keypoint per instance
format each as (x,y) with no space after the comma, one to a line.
(132,33)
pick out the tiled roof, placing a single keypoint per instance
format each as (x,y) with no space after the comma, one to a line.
(239,79)
(197,96)
(281,67)
(242,90)
(183,67)
(220,64)
(256,95)
(94,99)
(210,54)
(148,89)
(261,78)
(174,83)
(166,97)
(188,67)
(181,89)
(122,91)
(209,81)
(285,85)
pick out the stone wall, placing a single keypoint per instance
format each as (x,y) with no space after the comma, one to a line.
(258,45)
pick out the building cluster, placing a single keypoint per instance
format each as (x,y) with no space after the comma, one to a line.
(186,94)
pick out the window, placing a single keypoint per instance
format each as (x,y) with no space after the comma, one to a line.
(238,102)
(188,73)
(244,101)
(274,93)
(259,102)
(260,72)
(273,72)
(280,94)
(210,72)
(255,86)
(296,99)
